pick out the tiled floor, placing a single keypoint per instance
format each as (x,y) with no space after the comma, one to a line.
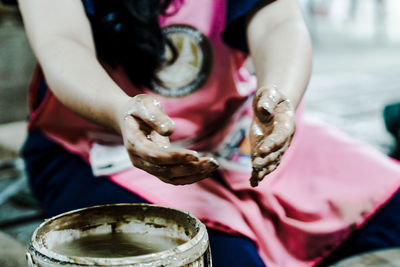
(356,68)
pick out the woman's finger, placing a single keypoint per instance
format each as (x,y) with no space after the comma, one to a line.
(202,167)
(159,140)
(163,155)
(176,172)
(149,110)
(144,165)
(262,166)
(258,176)
(283,130)
(259,163)
(186,179)
(139,144)
(266,165)
(266,101)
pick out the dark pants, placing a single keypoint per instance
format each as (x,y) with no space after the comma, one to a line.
(63,181)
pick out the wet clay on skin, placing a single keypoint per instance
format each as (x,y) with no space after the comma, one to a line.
(117,245)
(271,131)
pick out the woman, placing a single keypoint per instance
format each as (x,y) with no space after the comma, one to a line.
(156,72)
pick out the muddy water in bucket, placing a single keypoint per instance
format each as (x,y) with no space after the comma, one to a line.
(116,245)
(121,235)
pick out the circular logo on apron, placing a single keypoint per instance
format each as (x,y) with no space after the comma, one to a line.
(192,65)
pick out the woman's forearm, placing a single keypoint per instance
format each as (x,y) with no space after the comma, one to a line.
(78,80)
(61,38)
(281,48)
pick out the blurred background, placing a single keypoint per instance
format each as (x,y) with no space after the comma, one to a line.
(356,73)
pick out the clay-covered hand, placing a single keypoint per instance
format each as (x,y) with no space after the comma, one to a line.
(271,131)
(145,129)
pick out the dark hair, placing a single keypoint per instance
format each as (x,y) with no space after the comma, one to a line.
(127,33)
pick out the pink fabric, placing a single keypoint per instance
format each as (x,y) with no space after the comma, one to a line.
(326,186)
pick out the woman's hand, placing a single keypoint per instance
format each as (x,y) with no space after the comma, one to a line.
(271,131)
(280,48)
(145,127)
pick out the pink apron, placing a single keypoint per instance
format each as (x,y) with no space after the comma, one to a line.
(326,186)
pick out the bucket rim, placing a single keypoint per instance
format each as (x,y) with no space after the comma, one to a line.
(187,252)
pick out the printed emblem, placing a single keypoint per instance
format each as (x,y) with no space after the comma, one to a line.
(234,152)
(192,65)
